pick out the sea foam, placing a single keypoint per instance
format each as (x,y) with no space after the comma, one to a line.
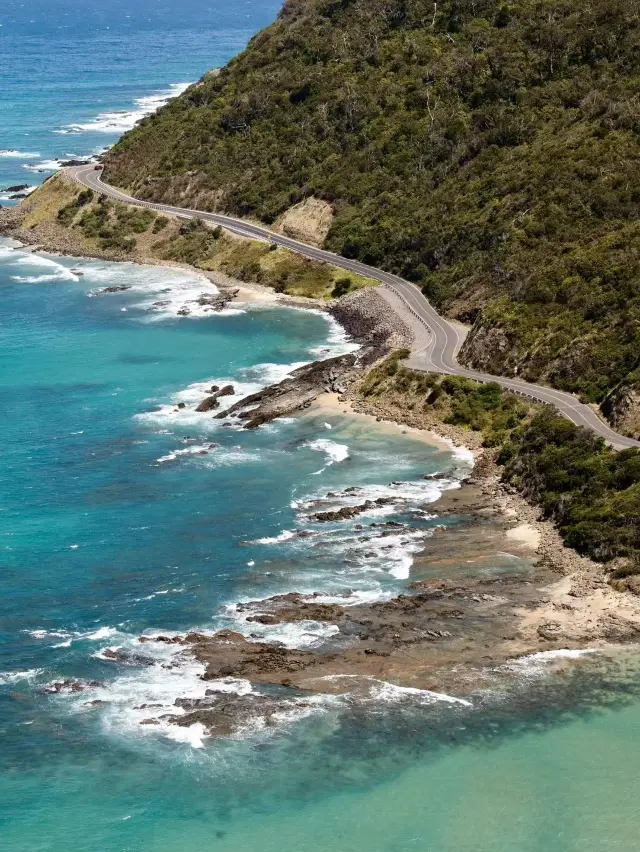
(122,120)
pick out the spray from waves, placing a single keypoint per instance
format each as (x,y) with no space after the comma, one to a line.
(214,456)
(285,535)
(43,166)
(537,665)
(197,450)
(70,636)
(334,452)
(147,693)
(56,271)
(160,593)
(11,678)
(145,702)
(411,492)
(381,690)
(9,196)
(364,553)
(165,293)
(338,341)
(119,122)
(248,381)
(299,634)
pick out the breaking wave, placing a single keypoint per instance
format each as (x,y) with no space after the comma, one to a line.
(122,120)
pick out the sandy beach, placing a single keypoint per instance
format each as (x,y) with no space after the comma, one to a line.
(332,404)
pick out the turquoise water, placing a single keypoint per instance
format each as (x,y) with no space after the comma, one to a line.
(122,514)
(109,529)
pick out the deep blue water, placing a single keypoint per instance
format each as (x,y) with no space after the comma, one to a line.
(68,64)
(122,514)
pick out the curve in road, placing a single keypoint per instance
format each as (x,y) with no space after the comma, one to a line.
(444,338)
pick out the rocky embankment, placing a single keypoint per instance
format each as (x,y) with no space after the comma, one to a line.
(622,408)
(471,609)
(367,319)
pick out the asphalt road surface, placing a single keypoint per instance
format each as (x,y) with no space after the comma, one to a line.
(436,346)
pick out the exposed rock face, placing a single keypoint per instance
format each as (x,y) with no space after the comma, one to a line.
(229,654)
(309,221)
(367,318)
(69,686)
(365,315)
(295,392)
(347,512)
(76,162)
(211,402)
(488,348)
(212,302)
(223,714)
(622,409)
(114,288)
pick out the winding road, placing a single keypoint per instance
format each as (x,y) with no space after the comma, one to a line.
(437,339)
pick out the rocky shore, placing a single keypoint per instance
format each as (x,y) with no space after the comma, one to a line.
(488,593)
(460,618)
(365,316)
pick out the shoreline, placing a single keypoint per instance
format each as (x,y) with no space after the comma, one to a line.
(587,575)
(333,403)
(243,292)
(578,605)
(564,604)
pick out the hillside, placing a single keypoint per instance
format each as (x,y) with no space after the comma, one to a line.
(64,217)
(488,152)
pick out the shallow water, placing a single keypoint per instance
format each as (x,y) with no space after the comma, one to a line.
(114,521)
(109,528)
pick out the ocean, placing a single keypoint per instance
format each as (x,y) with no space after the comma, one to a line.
(122,514)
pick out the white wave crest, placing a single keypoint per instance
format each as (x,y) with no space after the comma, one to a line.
(334,452)
(9,678)
(196,450)
(43,166)
(57,271)
(25,155)
(535,662)
(338,341)
(119,122)
(285,535)
(299,634)
(27,191)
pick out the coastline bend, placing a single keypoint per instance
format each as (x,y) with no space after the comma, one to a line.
(439,356)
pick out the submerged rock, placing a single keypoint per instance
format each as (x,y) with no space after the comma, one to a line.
(70,686)
(114,288)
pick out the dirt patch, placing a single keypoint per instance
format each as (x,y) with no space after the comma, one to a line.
(309,221)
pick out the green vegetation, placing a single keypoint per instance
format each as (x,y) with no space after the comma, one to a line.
(592,492)
(67,214)
(110,224)
(259,262)
(160,223)
(461,402)
(113,224)
(121,229)
(486,150)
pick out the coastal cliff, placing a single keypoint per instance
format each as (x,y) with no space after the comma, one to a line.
(486,151)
